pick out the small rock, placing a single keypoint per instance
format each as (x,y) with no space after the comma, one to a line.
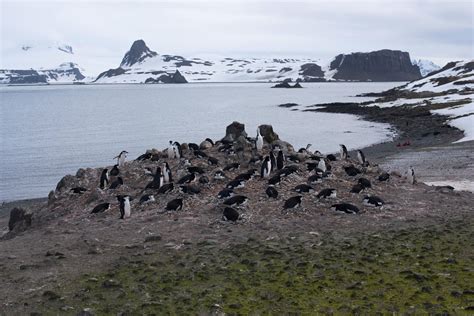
(205,145)
(153,238)
(85,312)
(50,295)
(110,283)
(234,130)
(20,219)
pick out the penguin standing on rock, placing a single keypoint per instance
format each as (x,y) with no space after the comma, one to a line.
(361,157)
(157,180)
(170,151)
(411,175)
(125,209)
(280,160)
(272,161)
(104,178)
(121,158)
(115,171)
(343,152)
(167,175)
(266,168)
(259,141)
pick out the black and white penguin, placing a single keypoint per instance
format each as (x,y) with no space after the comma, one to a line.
(327,193)
(322,165)
(293,158)
(230,214)
(372,200)
(384,177)
(345,207)
(200,154)
(236,200)
(259,141)
(357,188)
(266,168)
(203,180)
(315,179)
(170,150)
(219,175)
(167,174)
(280,160)
(165,188)
(115,171)
(195,169)
(361,157)
(121,158)
(310,166)
(174,205)
(288,170)
(305,150)
(411,175)
(271,192)
(212,161)
(365,182)
(147,198)
(178,151)
(331,157)
(187,178)
(158,180)
(303,188)
(343,152)
(118,182)
(293,202)
(190,189)
(272,161)
(244,176)
(193,146)
(352,171)
(104,178)
(125,208)
(235,184)
(102,207)
(275,180)
(225,193)
(252,172)
(78,190)
(210,141)
(232,166)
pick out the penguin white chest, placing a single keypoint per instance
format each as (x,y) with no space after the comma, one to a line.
(322,165)
(126,208)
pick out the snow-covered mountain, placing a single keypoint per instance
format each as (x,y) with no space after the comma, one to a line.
(425,66)
(65,73)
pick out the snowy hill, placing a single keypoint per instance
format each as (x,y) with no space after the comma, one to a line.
(425,66)
(65,73)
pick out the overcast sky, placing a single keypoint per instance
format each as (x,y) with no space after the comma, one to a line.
(433,29)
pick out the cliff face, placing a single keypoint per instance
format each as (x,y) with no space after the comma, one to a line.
(382,65)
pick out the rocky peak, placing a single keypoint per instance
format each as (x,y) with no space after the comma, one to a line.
(137,53)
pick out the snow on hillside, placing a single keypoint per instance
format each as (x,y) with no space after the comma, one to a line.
(425,66)
(64,73)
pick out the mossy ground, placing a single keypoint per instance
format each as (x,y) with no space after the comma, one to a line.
(424,270)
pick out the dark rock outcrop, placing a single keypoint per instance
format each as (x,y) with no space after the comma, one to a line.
(268,134)
(177,77)
(234,131)
(311,70)
(20,220)
(111,73)
(382,65)
(285,84)
(137,53)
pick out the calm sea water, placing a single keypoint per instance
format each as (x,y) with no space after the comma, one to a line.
(49,131)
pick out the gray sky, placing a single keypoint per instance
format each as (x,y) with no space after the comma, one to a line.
(437,30)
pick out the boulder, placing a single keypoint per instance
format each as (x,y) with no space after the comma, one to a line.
(66,183)
(268,134)
(234,131)
(20,219)
(285,146)
(205,145)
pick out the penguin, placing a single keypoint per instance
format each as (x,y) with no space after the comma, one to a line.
(171,150)
(259,141)
(373,201)
(174,205)
(104,178)
(193,146)
(115,171)
(305,150)
(352,171)
(357,188)
(165,188)
(293,202)
(266,168)
(280,160)
(231,167)
(147,198)
(361,157)
(343,152)
(78,190)
(365,182)
(102,207)
(230,214)
(125,209)
(187,178)
(167,175)
(331,157)
(178,152)
(235,184)
(303,188)
(315,179)
(195,169)
(158,180)
(219,175)
(190,189)
(244,176)
(293,158)
(116,183)
(200,154)
(272,161)
(225,193)
(345,207)
(212,161)
(288,170)
(236,200)
(121,158)
(271,192)
(384,177)
(322,165)
(210,141)
(311,165)
(203,180)
(275,180)
(411,175)
(252,172)
(327,193)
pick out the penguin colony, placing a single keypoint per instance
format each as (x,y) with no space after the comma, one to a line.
(185,172)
